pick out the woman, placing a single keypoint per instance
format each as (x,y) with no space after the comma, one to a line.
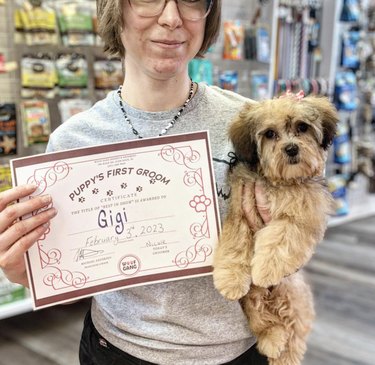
(180,322)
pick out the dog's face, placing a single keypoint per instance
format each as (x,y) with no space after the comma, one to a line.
(285,139)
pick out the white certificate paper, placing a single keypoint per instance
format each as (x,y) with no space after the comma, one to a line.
(130,213)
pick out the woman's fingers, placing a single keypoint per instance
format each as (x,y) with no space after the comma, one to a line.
(12,261)
(23,227)
(18,235)
(12,250)
(14,211)
(11,195)
(248,204)
(255,205)
(10,258)
(262,202)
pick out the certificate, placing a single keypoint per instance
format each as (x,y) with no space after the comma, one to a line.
(129,213)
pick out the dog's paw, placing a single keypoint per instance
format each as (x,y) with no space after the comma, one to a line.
(230,286)
(273,342)
(264,274)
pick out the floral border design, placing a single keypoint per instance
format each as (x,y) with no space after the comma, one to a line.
(46,178)
(200,231)
(59,279)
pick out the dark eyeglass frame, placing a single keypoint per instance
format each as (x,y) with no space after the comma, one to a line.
(165,4)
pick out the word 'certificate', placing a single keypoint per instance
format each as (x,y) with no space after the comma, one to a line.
(129,213)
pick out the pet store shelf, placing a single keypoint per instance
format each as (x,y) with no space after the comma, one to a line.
(358,210)
(239,65)
(15,308)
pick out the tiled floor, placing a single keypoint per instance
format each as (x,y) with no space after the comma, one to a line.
(342,274)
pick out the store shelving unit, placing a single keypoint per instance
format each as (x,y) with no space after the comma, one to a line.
(357,211)
(243,10)
(361,203)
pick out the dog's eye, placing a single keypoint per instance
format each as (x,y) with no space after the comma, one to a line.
(302,127)
(270,134)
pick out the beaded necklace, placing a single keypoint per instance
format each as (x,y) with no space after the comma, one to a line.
(171,123)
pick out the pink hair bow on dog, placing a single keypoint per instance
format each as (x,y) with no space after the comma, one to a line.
(299,96)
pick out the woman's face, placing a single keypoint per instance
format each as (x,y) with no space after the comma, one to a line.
(163,45)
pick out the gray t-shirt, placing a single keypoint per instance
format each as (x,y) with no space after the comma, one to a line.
(183,322)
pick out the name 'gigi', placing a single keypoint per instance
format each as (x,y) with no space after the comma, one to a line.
(109,219)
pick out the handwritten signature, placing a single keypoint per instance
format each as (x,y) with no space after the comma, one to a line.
(85,253)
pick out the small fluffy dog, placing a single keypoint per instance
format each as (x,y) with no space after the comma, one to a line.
(282,142)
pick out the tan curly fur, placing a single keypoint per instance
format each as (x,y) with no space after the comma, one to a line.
(282,142)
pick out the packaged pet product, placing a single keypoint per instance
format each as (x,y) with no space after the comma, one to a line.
(76,22)
(346,91)
(228,80)
(234,34)
(341,144)
(250,43)
(259,86)
(35,23)
(7,66)
(38,76)
(350,53)
(262,45)
(351,11)
(371,17)
(70,107)
(108,76)
(257,44)
(337,187)
(5,178)
(36,122)
(2,63)
(201,70)
(8,129)
(98,40)
(72,71)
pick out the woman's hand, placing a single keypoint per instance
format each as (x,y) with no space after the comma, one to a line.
(17,236)
(261,205)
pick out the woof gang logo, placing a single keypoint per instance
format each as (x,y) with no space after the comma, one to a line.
(129,265)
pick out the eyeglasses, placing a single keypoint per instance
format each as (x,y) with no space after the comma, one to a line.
(189,9)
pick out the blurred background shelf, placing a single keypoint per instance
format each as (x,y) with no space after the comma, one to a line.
(15,308)
(358,210)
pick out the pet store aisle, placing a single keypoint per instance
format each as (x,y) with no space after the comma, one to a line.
(342,274)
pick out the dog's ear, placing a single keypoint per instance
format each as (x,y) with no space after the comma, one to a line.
(242,134)
(329,116)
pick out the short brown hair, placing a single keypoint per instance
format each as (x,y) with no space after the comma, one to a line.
(110,24)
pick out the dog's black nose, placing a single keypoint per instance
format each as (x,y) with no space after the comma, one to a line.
(292,150)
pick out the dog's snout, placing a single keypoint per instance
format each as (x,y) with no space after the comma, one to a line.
(292,150)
